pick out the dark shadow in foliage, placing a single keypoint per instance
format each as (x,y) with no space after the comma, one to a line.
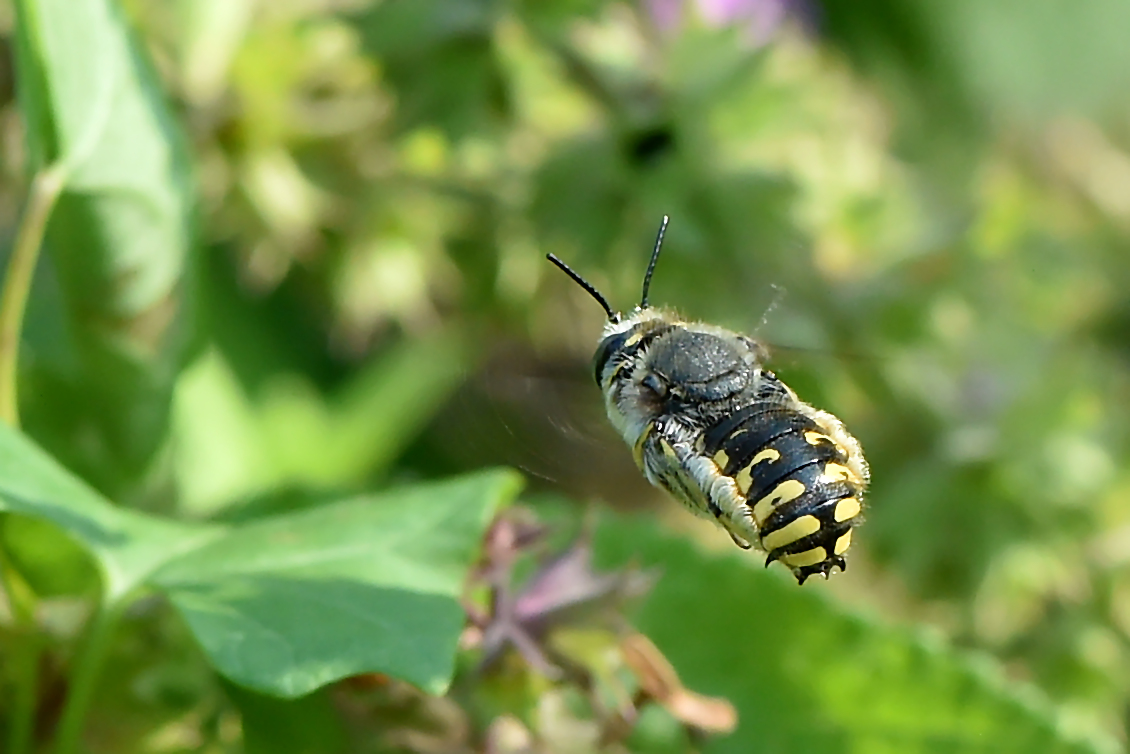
(267,334)
(580,194)
(309,725)
(439,58)
(647,146)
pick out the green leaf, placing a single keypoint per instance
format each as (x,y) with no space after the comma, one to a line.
(128,546)
(50,561)
(119,237)
(806,676)
(370,584)
(287,604)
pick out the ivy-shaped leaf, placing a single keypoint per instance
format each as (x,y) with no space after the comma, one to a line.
(290,603)
(287,604)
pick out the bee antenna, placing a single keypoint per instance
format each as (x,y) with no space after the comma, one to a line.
(592,291)
(654,258)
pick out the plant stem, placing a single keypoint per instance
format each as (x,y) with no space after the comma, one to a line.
(25,651)
(83,679)
(26,674)
(45,190)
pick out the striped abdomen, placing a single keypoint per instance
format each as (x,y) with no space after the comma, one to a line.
(795,471)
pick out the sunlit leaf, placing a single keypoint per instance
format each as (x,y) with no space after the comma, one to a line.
(371,584)
(290,603)
(119,237)
(128,546)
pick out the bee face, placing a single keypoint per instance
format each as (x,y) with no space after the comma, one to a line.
(653,367)
(708,423)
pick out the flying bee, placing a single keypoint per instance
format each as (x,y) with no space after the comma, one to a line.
(707,422)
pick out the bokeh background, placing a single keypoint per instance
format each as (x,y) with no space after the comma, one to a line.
(923,207)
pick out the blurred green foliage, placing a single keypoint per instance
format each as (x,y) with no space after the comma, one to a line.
(806,680)
(348,290)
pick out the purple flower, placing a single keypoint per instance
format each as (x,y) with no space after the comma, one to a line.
(760,18)
(565,589)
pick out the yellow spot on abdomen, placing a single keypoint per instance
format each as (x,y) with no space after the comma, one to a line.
(744,478)
(846,508)
(815,438)
(769,454)
(791,532)
(790,489)
(834,472)
(806,558)
(721,459)
(843,543)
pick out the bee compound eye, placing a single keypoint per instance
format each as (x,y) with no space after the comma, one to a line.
(605,351)
(655,384)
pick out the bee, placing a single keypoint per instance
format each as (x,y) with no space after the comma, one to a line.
(708,423)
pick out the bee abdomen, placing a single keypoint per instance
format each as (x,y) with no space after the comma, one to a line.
(797,481)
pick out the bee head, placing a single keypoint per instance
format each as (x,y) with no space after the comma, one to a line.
(625,339)
(653,363)
(620,333)
(650,361)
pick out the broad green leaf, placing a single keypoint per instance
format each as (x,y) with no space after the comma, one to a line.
(287,604)
(119,237)
(805,676)
(48,560)
(127,545)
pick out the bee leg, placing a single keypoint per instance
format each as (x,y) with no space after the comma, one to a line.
(739,541)
(804,572)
